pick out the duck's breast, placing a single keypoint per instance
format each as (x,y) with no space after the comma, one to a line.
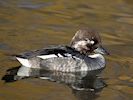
(95,62)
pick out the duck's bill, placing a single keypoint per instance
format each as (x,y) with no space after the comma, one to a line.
(101,50)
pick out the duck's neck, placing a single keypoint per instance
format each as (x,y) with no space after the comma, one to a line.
(98,56)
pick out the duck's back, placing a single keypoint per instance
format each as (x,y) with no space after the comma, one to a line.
(47,51)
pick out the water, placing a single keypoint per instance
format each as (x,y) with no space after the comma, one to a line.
(31,24)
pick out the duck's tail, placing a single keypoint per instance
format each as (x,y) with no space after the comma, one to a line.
(24,61)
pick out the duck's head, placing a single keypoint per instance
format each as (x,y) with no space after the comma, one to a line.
(87,41)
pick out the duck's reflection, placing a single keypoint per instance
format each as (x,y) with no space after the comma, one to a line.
(83,84)
(86,95)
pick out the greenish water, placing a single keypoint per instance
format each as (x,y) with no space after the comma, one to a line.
(31,24)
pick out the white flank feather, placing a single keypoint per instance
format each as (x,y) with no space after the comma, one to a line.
(47,56)
(60,55)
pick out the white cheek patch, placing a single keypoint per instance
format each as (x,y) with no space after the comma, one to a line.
(83,44)
(80,43)
(90,42)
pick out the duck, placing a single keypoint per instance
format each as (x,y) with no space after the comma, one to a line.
(84,53)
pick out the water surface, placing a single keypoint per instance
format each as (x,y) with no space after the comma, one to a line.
(31,24)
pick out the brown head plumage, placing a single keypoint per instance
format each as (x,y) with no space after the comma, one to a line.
(86,40)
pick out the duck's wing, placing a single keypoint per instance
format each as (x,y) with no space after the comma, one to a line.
(51,51)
